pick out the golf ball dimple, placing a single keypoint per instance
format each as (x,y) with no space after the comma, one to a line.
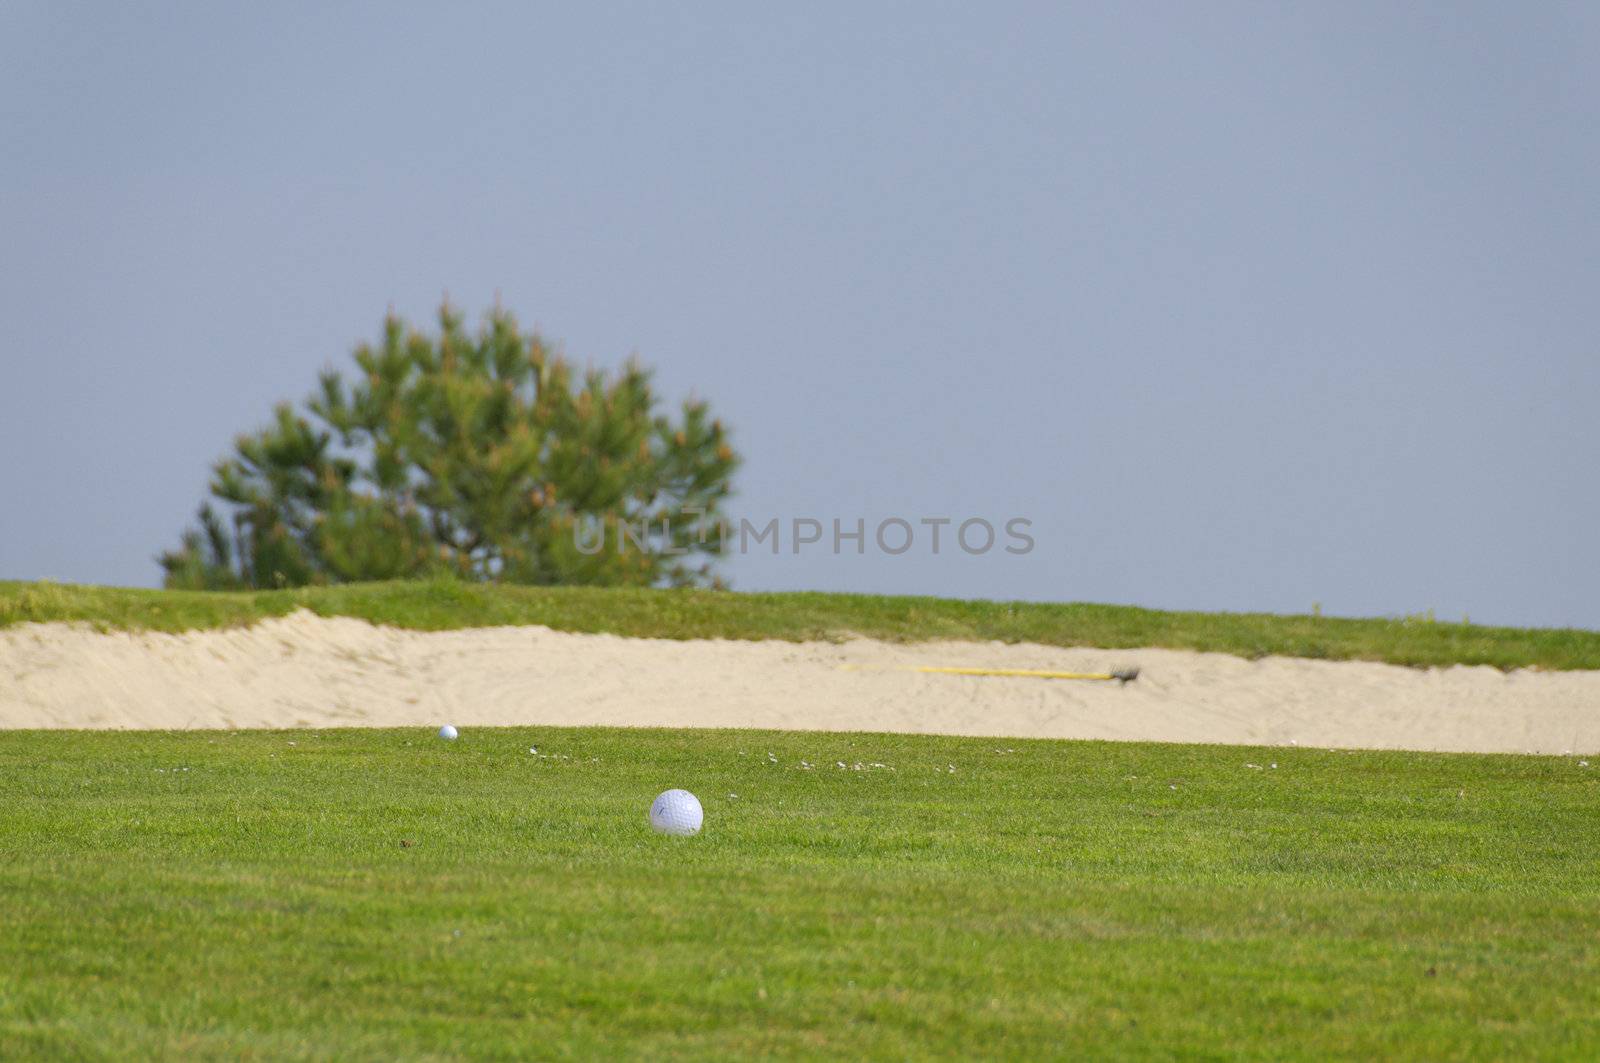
(448,733)
(676,812)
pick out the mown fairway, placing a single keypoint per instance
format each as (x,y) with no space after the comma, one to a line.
(252,894)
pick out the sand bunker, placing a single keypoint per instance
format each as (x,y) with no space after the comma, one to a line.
(304,671)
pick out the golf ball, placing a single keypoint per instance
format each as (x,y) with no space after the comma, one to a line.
(676,812)
(447,733)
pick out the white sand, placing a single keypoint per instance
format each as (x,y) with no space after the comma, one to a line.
(303,671)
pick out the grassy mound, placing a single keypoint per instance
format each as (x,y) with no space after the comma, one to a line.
(720,614)
(382,894)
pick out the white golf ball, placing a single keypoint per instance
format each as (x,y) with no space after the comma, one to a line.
(447,733)
(677,812)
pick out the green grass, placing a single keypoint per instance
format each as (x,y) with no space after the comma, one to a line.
(247,895)
(720,614)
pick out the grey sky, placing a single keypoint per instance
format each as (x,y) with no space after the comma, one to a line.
(1245,306)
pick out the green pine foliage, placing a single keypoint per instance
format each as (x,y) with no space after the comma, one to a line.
(484,455)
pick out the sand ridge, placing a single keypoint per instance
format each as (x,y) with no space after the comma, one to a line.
(307,671)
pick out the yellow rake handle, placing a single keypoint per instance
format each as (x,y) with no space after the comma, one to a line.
(1124,675)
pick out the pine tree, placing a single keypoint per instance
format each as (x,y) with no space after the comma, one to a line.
(484,454)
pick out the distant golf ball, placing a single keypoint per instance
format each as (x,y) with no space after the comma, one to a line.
(677,812)
(447,733)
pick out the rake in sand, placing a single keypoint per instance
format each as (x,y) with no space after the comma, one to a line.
(1121,675)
